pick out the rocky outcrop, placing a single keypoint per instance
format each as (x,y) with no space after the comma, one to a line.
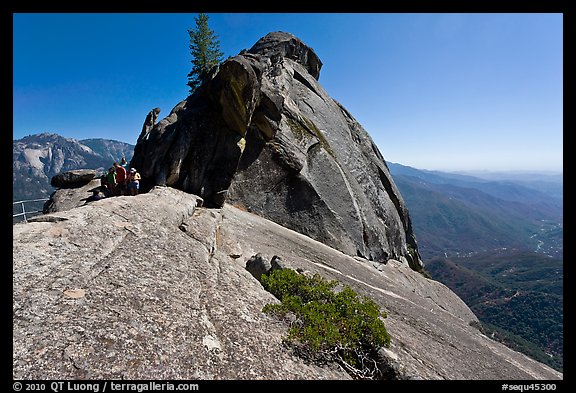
(74,187)
(279,45)
(70,197)
(154,287)
(261,133)
(257,265)
(73,178)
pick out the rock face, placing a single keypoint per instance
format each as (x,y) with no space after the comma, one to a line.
(70,197)
(154,287)
(74,178)
(262,134)
(74,187)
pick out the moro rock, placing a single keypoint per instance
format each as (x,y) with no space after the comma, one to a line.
(263,135)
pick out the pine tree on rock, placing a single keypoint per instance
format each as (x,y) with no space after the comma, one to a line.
(205,51)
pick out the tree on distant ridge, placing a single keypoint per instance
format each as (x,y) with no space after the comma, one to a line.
(205,51)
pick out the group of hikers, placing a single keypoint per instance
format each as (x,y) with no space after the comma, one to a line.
(120,180)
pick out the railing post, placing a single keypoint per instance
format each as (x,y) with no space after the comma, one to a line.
(23,206)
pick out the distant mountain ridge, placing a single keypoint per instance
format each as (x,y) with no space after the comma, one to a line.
(550,183)
(456,214)
(110,149)
(36,158)
(518,187)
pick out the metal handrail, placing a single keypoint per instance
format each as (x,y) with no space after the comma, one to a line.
(24,212)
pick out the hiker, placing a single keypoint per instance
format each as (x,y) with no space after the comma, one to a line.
(104,185)
(96,196)
(124,164)
(133,181)
(111,181)
(120,179)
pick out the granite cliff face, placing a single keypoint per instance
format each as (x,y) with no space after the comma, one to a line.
(262,134)
(155,287)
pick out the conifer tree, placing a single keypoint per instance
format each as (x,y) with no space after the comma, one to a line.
(205,51)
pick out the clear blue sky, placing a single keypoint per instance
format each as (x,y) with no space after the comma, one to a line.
(435,91)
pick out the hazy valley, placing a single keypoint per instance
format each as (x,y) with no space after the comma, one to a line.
(497,241)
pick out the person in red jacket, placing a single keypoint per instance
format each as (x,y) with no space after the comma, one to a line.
(120,179)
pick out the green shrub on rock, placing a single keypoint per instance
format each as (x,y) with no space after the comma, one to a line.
(328,324)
